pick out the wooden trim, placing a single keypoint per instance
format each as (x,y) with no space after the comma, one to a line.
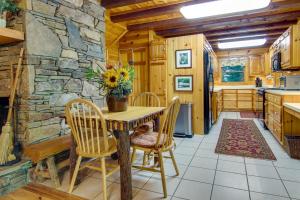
(119,3)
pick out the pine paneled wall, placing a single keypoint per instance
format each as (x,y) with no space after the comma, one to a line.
(196,43)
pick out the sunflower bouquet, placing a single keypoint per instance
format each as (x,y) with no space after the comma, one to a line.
(114,80)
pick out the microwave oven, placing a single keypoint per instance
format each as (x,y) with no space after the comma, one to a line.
(276,61)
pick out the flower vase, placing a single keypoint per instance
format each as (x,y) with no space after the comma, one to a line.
(116,104)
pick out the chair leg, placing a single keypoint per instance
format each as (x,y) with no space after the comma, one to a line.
(133,155)
(75,173)
(103,168)
(174,162)
(162,172)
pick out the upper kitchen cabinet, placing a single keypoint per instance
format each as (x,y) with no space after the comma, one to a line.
(256,65)
(289,46)
(215,64)
(267,62)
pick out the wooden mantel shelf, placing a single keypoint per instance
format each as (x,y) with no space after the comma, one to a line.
(4,94)
(9,36)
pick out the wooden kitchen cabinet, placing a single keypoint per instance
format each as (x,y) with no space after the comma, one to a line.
(217,104)
(274,113)
(267,61)
(237,100)
(215,66)
(256,65)
(289,46)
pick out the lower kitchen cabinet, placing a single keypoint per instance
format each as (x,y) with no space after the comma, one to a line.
(235,100)
(274,113)
(217,104)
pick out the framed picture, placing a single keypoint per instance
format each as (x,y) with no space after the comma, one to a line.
(183,83)
(184,58)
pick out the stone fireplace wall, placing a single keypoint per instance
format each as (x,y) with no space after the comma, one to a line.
(63,39)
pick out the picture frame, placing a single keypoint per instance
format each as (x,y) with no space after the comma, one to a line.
(183,58)
(183,83)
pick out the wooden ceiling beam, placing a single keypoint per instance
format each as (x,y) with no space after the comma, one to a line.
(245,30)
(108,4)
(245,34)
(238,27)
(152,12)
(273,10)
(214,30)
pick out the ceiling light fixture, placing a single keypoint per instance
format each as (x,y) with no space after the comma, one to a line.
(241,44)
(222,7)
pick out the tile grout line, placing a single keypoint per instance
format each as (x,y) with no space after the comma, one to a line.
(181,178)
(289,196)
(247,179)
(213,184)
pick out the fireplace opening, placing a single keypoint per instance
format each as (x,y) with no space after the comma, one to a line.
(4,103)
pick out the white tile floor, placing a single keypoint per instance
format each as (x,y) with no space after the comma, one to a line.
(205,175)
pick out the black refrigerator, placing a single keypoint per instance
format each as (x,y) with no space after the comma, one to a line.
(208,91)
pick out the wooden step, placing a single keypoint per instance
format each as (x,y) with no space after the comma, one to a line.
(38,192)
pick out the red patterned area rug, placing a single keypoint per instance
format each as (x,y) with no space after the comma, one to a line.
(243,138)
(248,114)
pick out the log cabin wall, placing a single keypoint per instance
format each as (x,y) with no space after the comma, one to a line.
(196,44)
(258,65)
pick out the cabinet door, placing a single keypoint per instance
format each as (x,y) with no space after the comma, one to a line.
(158,50)
(216,67)
(285,48)
(267,63)
(255,65)
(296,47)
(158,84)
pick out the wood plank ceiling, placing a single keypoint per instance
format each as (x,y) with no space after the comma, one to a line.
(163,16)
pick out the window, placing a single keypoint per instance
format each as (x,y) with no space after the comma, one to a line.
(233,73)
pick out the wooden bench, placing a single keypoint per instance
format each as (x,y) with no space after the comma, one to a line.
(45,152)
(39,192)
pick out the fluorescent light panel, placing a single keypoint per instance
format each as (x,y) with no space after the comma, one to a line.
(222,7)
(241,44)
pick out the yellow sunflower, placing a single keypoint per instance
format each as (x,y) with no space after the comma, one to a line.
(111,78)
(124,73)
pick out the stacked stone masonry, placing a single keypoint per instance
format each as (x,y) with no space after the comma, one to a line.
(63,39)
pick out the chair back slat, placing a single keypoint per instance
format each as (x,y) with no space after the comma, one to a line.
(167,127)
(146,99)
(88,127)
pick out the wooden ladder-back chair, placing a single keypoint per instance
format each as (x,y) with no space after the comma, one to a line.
(147,99)
(93,141)
(159,142)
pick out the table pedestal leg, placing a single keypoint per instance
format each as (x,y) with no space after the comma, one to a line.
(125,165)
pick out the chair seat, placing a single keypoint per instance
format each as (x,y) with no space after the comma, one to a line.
(146,127)
(112,147)
(147,140)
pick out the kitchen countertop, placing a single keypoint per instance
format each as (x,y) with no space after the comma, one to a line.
(283,92)
(238,87)
(293,106)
